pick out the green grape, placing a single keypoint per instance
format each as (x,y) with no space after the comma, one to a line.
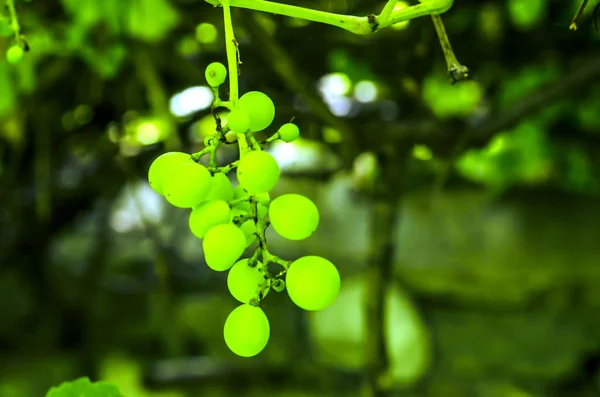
(15,54)
(258,172)
(259,108)
(239,192)
(161,168)
(244,281)
(187,185)
(248,227)
(215,74)
(208,215)
(293,216)
(220,188)
(246,330)
(223,245)
(312,282)
(289,132)
(238,121)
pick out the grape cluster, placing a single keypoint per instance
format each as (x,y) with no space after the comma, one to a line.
(229,220)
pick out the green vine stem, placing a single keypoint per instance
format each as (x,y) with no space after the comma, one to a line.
(358,25)
(387,11)
(575,21)
(456,70)
(14,20)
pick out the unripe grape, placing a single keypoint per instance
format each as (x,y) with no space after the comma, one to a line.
(259,108)
(312,282)
(208,215)
(246,330)
(187,185)
(215,74)
(220,188)
(223,245)
(289,132)
(258,172)
(238,121)
(244,282)
(162,166)
(294,216)
(15,54)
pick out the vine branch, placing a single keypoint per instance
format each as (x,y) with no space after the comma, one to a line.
(357,25)
(14,20)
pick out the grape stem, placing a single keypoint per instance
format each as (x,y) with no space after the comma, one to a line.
(14,20)
(196,156)
(231,49)
(226,169)
(262,251)
(273,137)
(357,25)
(241,219)
(255,145)
(456,70)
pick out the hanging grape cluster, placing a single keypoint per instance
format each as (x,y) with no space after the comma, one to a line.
(229,220)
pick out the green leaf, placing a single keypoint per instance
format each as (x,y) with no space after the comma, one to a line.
(5,28)
(82,387)
(7,91)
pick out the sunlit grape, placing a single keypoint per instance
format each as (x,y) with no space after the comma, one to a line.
(289,132)
(312,282)
(259,108)
(187,185)
(162,166)
(293,216)
(215,74)
(244,281)
(238,121)
(14,54)
(246,330)
(220,188)
(208,215)
(258,172)
(223,245)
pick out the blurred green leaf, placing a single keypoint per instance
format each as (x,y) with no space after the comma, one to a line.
(150,20)
(7,94)
(147,20)
(82,387)
(5,29)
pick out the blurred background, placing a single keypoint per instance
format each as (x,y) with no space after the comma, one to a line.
(463,218)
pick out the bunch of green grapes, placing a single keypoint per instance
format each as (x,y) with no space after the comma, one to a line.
(230,221)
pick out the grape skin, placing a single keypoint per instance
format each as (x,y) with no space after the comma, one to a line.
(238,121)
(312,282)
(246,331)
(223,245)
(258,172)
(293,216)
(260,109)
(244,281)
(14,54)
(208,215)
(220,188)
(215,74)
(187,185)
(162,166)
(289,132)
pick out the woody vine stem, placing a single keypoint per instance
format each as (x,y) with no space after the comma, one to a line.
(358,25)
